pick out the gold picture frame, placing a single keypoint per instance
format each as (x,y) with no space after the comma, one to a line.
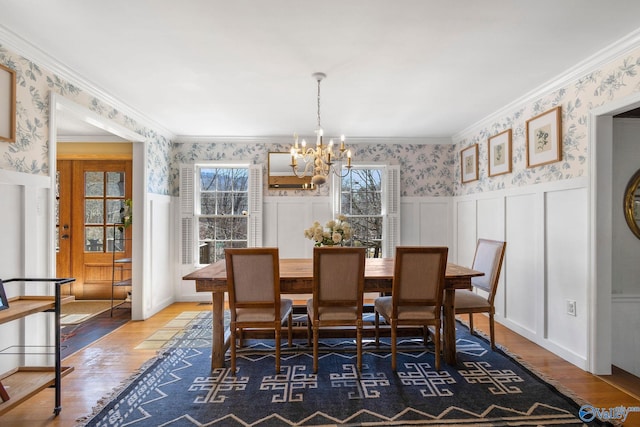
(469,163)
(7,104)
(499,149)
(544,138)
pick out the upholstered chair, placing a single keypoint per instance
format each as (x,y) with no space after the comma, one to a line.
(338,285)
(253,277)
(488,259)
(416,295)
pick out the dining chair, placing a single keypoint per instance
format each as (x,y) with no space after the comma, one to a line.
(487,259)
(338,286)
(416,295)
(253,277)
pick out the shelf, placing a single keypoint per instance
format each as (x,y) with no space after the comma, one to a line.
(24,382)
(126,282)
(22,306)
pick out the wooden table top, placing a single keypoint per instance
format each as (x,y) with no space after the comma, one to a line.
(378,274)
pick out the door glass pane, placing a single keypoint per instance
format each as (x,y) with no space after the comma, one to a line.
(93,184)
(113,211)
(93,239)
(115,184)
(118,242)
(93,211)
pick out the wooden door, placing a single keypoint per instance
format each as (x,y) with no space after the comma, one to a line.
(98,190)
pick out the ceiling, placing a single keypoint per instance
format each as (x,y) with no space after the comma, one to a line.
(242,68)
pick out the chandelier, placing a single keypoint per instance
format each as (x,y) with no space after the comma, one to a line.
(322,160)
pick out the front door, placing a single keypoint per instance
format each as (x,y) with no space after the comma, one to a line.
(90,235)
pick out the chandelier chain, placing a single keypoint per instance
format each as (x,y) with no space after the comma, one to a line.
(319,126)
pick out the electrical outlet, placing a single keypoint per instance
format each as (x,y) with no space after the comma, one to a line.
(571,307)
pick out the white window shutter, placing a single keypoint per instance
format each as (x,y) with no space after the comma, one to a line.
(336,189)
(254,238)
(187,176)
(391,229)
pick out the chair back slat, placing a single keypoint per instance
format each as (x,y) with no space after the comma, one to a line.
(338,276)
(419,275)
(249,278)
(488,259)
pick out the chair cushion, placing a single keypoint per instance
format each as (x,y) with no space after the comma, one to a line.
(384,306)
(263,314)
(333,313)
(468,299)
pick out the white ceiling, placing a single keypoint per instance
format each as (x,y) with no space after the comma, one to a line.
(396,68)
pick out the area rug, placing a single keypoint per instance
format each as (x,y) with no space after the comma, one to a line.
(76,312)
(485,388)
(76,337)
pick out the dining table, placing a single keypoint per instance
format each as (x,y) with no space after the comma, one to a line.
(296,277)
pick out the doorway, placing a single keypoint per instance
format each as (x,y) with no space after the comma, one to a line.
(91,196)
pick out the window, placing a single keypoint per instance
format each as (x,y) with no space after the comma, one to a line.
(221,207)
(369,198)
(361,203)
(221,211)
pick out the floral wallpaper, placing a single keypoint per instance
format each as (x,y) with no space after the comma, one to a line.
(30,152)
(616,80)
(427,169)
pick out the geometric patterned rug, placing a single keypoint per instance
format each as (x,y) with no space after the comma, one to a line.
(485,388)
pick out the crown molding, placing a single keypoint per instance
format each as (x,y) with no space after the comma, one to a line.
(604,56)
(287,140)
(27,50)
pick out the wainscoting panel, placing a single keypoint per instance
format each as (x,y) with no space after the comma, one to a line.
(285,220)
(159,288)
(626,332)
(466,232)
(24,252)
(566,258)
(491,225)
(426,221)
(521,287)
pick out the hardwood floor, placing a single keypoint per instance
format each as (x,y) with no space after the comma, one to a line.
(103,365)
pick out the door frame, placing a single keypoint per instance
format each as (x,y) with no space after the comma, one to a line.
(58,104)
(600,345)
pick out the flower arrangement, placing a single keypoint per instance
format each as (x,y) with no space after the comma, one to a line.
(126,217)
(334,232)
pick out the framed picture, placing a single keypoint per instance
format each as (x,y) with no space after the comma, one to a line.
(469,163)
(499,147)
(7,104)
(4,303)
(544,139)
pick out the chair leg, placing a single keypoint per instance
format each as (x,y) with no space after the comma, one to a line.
(377,322)
(233,348)
(316,332)
(240,337)
(393,344)
(308,331)
(471,323)
(290,331)
(359,345)
(492,331)
(277,344)
(437,343)
(425,335)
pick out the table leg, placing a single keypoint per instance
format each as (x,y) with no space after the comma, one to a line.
(218,347)
(449,349)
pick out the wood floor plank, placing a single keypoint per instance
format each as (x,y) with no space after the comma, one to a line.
(111,360)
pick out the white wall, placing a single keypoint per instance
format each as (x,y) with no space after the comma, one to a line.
(545,227)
